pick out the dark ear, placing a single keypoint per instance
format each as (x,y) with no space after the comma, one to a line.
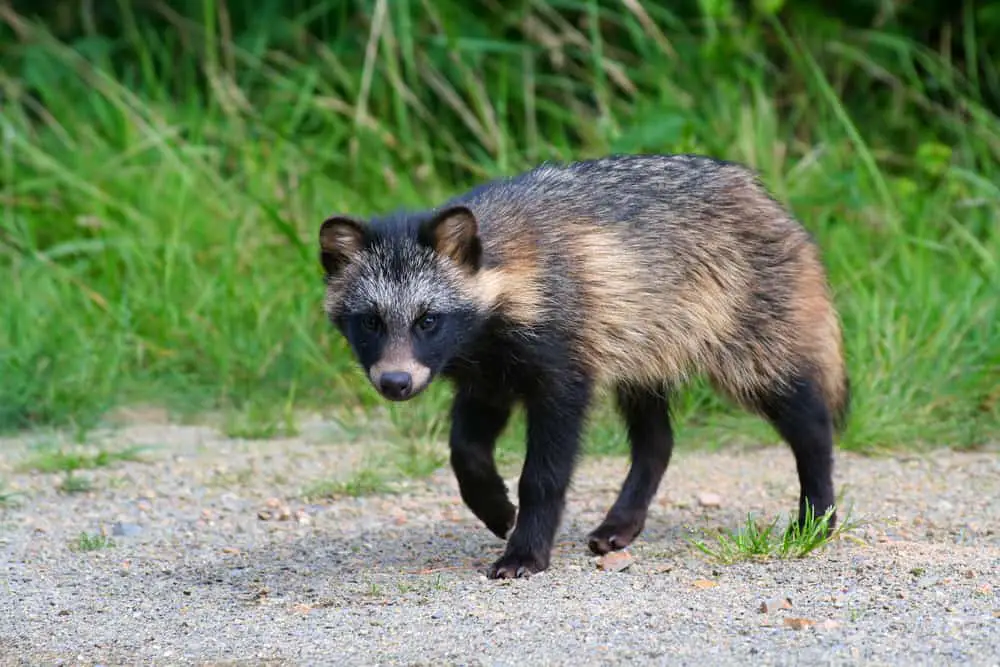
(340,238)
(454,233)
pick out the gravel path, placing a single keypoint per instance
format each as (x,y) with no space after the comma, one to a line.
(217,558)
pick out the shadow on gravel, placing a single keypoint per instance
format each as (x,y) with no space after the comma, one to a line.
(321,562)
(324,561)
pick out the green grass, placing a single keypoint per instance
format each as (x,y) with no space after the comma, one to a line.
(73,483)
(161,193)
(407,458)
(9,499)
(49,459)
(258,420)
(365,482)
(56,460)
(417,459)
(88,542)
(756,541)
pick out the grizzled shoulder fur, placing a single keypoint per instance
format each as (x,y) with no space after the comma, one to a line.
(666,266)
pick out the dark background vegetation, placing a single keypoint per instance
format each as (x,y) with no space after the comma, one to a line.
(165,166)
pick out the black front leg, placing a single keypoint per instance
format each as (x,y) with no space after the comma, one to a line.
(476,424)
(555,424)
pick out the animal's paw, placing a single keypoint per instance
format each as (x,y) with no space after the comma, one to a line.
(614,535)
(501,521)
(516,566)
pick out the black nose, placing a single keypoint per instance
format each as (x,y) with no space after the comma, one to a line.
(396,384)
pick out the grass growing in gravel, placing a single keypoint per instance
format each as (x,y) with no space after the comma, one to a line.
(161,194)
(9,498)
(365,482)
(73,483)
(87,542)
(757,541)
(258,420)
(52,460)
(407,457)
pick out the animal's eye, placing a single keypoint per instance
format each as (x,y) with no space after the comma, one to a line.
(427,322)
(369,321)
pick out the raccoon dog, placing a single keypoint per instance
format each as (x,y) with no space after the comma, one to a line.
(631,273)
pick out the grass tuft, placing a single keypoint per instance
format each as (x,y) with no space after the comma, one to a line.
(418,459)
(10,499)
(87,542)
(257,421)
(756,541)
(73,483)
(366,482)
(71,461)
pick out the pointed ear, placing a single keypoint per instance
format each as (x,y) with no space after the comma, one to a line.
(340,239)
(454,233)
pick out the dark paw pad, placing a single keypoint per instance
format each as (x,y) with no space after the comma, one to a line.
(613,536)
(515,566)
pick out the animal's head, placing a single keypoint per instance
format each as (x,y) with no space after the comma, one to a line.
(402,291)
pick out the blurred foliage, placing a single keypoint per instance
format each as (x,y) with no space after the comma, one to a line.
(967,31)
(494,46)
(163,167)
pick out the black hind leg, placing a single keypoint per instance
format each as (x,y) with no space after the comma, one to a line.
(802,418)
(646,414)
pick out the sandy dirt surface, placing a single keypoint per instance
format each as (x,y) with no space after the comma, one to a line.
(218,558)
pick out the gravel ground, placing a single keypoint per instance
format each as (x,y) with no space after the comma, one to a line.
(218,559)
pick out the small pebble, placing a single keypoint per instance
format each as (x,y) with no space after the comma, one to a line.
(709,499)
(768,606)
(125,529)
(616,561)
(798,623)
